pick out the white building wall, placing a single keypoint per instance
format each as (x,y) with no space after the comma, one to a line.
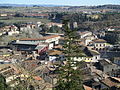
(51,58)
(13,32)
(87,59)
(87,42)
(100,45)
(51,45)
(86,34)
(57,42)
(95,58)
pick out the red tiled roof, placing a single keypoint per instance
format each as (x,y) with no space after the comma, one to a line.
(59,46)
(28,39)
(43,38)
(100,41)
(87,88)
(37,78)
(109,82)
(35,14)
(51,23)
(82,33)
(55,52)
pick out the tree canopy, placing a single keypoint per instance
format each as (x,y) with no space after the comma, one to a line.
(69,74)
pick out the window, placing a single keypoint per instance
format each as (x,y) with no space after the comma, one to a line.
(95,57)
(103,44)
(118,61)
(96,44)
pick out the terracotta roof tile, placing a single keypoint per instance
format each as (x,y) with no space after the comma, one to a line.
(55,52)
(37,78)
(42,38)
(109,82)
(100,41)
(87,88)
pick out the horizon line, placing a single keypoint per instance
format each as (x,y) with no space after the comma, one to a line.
(56,4)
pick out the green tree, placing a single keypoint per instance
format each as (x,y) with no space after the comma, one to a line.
(69,74)
(2,24)
(19,15)
(55,29)
(3,85)
(44,29)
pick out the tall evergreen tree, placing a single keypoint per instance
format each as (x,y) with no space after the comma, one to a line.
(3,85)
(69,74)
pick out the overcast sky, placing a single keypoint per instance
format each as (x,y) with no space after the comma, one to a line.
(62,2)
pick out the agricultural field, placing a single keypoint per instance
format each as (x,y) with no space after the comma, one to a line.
(22,19)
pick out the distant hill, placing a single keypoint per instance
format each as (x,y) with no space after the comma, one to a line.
(13,5)
(105,7)
(70,7)
(31,5)
(96,7)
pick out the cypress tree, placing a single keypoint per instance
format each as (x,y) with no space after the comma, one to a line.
(69,74)
(3,85)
